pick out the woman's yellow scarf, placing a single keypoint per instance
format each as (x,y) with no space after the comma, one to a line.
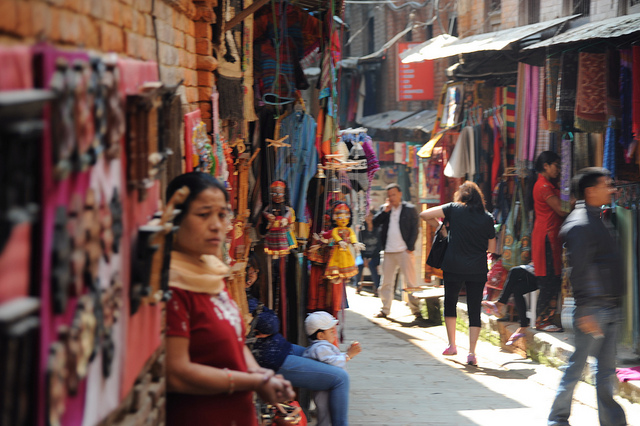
(204,275)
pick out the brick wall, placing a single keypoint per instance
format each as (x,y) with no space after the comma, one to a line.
(550,9)
(126,27)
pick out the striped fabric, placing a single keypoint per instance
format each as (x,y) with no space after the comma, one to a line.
(510,121)
(543,125)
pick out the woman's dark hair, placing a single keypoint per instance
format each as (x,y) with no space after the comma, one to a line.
(339,203)
(546,157)
(470,195)
(196,182)
(587,178)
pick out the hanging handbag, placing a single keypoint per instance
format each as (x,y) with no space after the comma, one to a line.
(511,247)
(438,247)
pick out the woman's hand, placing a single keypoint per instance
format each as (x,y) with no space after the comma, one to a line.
(275,389)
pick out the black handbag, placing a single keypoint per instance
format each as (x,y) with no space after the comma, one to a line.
(438,248)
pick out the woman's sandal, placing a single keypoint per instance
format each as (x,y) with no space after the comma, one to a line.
(551,328)
(492,308)
(514,337)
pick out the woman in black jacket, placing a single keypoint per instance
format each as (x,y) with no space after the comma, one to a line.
(471,235)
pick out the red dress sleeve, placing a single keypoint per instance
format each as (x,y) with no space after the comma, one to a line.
(178,319)
(546,191)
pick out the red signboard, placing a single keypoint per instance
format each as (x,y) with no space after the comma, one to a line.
(415,80)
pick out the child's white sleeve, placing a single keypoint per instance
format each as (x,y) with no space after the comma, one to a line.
(328,354)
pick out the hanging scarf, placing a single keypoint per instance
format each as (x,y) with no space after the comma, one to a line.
(552,67)
(510,122)
(591,99)
(566,101)
(204,275)
(612,77)
(534,91)
(609,160)
(626,97)
(636,92)
(581,157)
(565,176)
(522,116)
(542,144)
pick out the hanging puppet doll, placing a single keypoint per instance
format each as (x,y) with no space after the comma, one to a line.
(280,238)
(342,264)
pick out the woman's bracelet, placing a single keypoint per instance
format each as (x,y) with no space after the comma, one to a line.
(232,383)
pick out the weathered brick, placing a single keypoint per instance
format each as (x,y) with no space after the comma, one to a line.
(70,31)
(96,7)
(190,43)
(203,46)
(40,19)
(205,78)
(138,23)
(147,49)
(168,55)
(116,14)
(209,123)
(148,25)
(163,11)
(204,13)
(132,42)
(8,15)
(203,30)
(180,21)
(205,108)
(127,16)
(204,92)
(206,63)
(178,38)
(190,77)
(55,18)
(164,31)
(111,38)
(90,36)
(25,20)
(143,6)
(192,94)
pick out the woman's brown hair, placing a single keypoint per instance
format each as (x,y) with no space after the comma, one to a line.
(470,195)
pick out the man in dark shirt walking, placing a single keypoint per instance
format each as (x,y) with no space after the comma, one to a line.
(598,289)
(399,231)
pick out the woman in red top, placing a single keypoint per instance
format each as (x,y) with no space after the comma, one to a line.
(545,244)
(211,374)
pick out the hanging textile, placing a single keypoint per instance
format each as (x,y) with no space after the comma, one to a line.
(612,78)
(247,65)
(229,84)
(590,112)
(626,98)
(16,72)
(523,97)
(552,66)
(567,81)
(542,143)
(462,160)
(636,93)
(565,174)
(609,160)
(297,164)
(581,152)
(626,231)
(510,123)
(534,92)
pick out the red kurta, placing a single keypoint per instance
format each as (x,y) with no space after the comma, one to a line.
(215,331)
(547,224)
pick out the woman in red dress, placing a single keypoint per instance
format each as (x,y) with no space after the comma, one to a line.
(545,244)
(211,374)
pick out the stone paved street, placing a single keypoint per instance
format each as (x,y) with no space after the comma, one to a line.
(401,378)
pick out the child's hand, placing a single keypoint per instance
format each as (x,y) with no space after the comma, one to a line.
(354,349)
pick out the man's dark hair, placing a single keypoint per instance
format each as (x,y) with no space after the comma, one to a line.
(587,178)
(393,185)
(196,182)
(546,157)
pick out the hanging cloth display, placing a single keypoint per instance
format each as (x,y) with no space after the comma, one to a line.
(567,82)
(552,68)
(565,174)
(590,109)
(636,93)
(542,144)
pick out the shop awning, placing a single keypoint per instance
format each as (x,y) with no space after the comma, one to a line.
(494,41)
(415,54)
(608,28)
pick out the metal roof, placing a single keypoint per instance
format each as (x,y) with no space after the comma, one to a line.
(415,54)
(497,40)
(607,28)
(384,120)
(423,120)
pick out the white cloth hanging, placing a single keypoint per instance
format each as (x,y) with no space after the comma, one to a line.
(462,161)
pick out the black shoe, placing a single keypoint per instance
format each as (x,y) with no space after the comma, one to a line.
(380,315)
